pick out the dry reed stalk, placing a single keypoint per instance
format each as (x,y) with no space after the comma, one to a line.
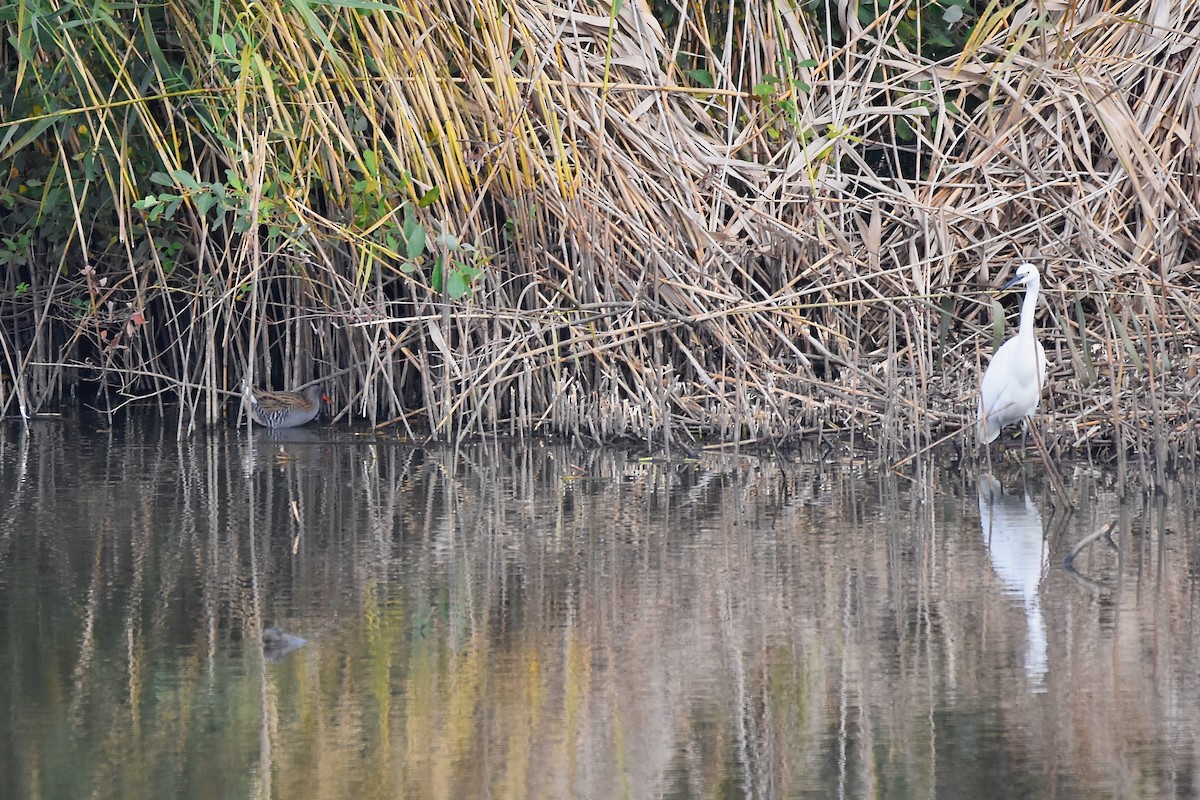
(660,258)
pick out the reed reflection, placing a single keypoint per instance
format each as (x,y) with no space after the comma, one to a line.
(544,621)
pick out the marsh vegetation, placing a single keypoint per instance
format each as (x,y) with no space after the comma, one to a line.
(660,221)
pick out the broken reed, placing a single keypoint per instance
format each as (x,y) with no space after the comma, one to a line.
(580,223)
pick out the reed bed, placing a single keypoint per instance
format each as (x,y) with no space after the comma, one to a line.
(603,221)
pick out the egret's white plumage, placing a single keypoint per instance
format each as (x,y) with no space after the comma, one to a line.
(1012,383)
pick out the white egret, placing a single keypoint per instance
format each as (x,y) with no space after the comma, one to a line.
(1012,383)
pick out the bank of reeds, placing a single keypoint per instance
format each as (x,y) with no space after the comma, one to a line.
(668,222)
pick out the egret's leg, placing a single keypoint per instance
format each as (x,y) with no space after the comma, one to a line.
(987,449)
(1024,434)
(980,431)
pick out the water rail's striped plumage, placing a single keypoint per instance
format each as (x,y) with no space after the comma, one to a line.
(286,409)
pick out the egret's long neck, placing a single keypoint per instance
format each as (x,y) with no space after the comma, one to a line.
(1028,307)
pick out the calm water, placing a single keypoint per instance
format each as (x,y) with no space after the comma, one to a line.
(541,622)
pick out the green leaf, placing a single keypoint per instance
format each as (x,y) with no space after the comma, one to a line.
(35,131)
(702,77)
(456,285)
(161,178)
(317,29)
(414,246)
(430,197)
(435,278)
(205,202)
(766,87)
(185,179)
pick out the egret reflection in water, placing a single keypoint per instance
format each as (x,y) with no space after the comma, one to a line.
(1012,531)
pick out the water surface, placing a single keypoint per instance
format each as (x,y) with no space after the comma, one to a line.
(525,620)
